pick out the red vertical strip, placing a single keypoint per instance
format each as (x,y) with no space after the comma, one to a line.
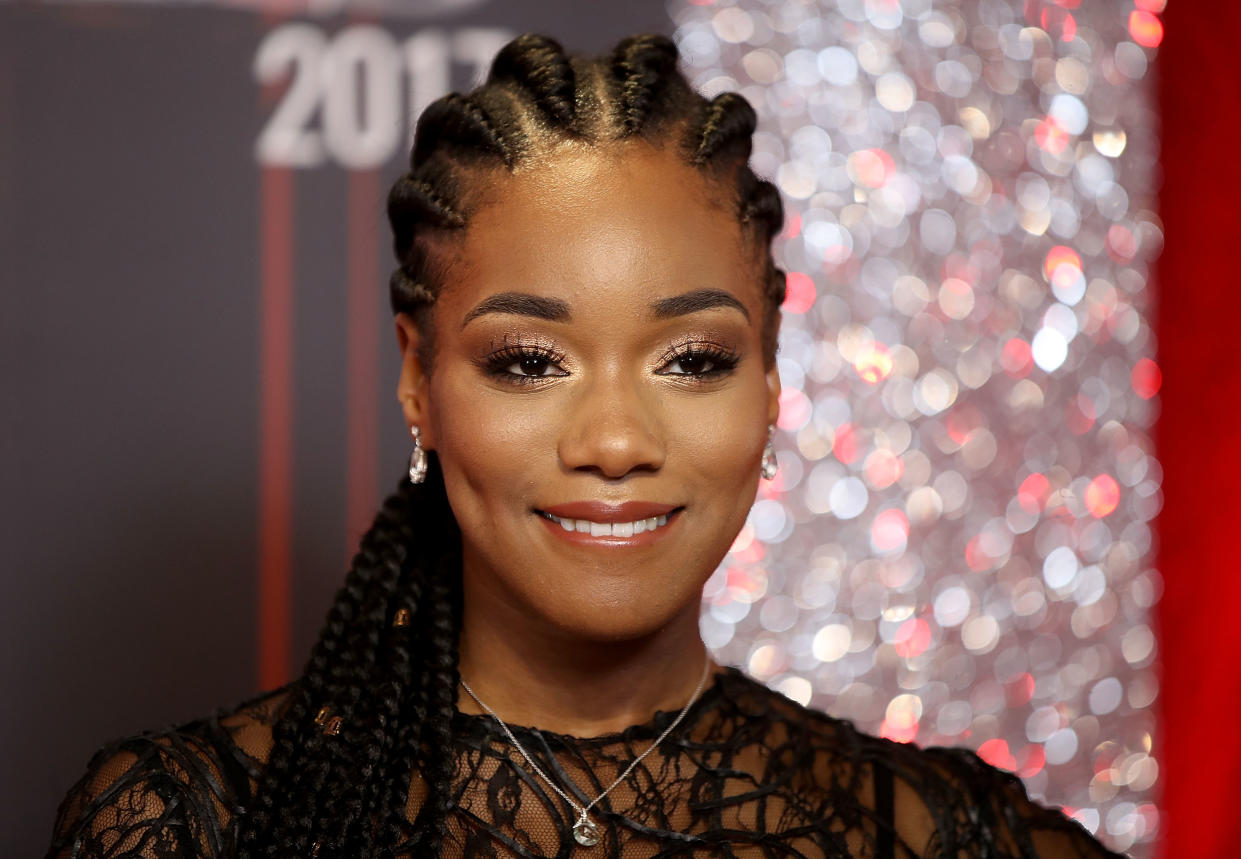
(275,426)
(1199,309)
(362,355)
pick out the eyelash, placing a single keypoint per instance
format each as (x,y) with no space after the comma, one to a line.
(498,362)
(721,359)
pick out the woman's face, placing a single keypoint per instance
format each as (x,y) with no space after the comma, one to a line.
(598,397)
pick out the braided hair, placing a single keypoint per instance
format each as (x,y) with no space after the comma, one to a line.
(385,664)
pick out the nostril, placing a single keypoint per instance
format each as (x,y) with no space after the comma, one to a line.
(613,461)
(611,442)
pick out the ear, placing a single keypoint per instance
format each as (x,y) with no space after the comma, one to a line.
(413,387)
(773,393)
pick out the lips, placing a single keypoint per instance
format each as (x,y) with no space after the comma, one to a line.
(602,511)
(593,522)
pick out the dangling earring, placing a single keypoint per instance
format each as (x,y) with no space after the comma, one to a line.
(768,468)
(417,459)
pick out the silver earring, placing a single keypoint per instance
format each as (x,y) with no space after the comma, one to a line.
(768,468)
(417,459)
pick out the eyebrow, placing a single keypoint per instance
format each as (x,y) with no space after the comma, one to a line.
(520,304)
(557,310)
(698,299)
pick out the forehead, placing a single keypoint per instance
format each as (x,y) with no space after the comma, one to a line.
(619,223)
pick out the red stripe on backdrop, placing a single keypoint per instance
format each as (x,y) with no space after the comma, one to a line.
(275,426)
(1198,316)
(362,353)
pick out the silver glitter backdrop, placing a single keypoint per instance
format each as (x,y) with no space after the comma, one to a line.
(957,548)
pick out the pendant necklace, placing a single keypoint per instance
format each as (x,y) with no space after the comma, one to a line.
(585,831)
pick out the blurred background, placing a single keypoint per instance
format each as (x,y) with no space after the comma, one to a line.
(996,210)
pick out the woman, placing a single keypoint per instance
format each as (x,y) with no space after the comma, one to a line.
(587,310)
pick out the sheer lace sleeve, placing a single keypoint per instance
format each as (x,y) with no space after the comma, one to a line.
(173,793)
(953,801)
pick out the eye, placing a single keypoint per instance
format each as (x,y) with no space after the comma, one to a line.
(532,365)
(700,361)
(692,364)
(520,364)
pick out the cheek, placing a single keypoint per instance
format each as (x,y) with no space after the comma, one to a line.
(721,440)
(487,444)
(726,459)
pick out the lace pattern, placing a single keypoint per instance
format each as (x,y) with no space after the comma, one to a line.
(748,773)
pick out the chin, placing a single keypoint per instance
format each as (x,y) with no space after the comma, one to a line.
(630,615)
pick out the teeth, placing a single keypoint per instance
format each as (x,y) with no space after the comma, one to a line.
(610,529)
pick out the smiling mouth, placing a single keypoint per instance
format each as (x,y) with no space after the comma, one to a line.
(611,529)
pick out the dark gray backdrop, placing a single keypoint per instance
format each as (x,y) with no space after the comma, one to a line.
(130,327)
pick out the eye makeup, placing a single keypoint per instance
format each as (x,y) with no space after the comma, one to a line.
(700,358)
(522,360)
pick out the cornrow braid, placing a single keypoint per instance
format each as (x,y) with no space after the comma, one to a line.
(727,127)
(416,199)
(461,121)
(539,65)
(644,68)
(394,686)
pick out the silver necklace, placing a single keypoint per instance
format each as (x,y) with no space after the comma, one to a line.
(585,832)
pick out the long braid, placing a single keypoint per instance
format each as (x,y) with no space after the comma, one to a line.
(442,697)
(294,736)
(405,712)
(357,749)
(322,790)
(394,687)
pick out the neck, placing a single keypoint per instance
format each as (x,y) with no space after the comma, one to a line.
(544,679)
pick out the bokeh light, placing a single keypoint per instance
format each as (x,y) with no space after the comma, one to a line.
(957,549)
(1146,28)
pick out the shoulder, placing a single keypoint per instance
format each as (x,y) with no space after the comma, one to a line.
(961,802)
(940,801)
(172,792)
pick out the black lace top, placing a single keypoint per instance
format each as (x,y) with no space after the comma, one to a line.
(748,773)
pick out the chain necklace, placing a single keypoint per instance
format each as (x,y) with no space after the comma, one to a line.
(585,832)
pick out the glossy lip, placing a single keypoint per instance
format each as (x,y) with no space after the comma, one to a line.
(601,511)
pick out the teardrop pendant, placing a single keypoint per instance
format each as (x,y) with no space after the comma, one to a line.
(417,462)
(585,833)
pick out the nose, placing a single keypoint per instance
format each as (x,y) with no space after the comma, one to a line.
(613,430)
